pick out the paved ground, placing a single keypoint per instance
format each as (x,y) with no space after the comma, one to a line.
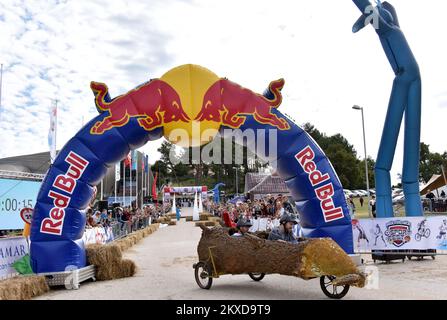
(165,259)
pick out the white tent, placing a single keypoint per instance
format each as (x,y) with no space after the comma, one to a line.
(195,210)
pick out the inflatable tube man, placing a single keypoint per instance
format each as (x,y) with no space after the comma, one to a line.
(405,98)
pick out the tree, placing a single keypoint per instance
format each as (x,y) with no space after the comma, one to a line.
(342,156)
(430,163)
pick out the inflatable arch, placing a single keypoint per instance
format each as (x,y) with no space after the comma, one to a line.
(182,98)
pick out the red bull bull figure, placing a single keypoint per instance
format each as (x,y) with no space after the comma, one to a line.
(154,104)
(229,103)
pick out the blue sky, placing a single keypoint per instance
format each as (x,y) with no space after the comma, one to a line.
(53,49)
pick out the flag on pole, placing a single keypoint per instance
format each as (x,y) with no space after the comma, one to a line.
(146,164)
(134,160)
(128,160)
(118,171)
(52,131)
(154,187)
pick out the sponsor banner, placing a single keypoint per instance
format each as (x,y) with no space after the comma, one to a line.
(98,235)
(11,250)
(403,233)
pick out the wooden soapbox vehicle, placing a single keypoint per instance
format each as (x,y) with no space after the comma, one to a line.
(221,254)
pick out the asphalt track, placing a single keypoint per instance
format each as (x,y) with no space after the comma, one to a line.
(165,260)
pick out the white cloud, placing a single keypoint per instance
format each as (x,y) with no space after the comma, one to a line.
(123,43)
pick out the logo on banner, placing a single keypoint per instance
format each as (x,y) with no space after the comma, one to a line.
(398,232)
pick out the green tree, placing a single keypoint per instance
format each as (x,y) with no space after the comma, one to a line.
(342,156)
(430,163)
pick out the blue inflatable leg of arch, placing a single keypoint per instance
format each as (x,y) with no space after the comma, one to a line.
(405,98)
(59,215)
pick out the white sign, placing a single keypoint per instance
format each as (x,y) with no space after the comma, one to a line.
(405,233)
(26,214)
(11,250)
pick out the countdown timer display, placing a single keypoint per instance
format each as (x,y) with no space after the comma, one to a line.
(14,196)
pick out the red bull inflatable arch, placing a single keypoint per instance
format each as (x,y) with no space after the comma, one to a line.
(184,97)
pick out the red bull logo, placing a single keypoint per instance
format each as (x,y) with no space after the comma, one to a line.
(184,93)
(230,104)
(324,193)
(66,183)
(153,104)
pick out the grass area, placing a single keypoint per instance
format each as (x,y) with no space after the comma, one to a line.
(362,212)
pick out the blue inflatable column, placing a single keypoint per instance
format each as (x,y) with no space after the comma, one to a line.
(405,98)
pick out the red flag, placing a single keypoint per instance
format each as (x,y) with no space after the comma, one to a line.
(154,187)
(128,160)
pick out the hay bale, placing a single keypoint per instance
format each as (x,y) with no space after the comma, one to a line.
(147,231)
(125,268)
(156,226)
(124,243)
(204,216)
(163,219)
(172,223)
(200,223)
(211,223)
(98,254)
(108,260)
(128,268)
(189,218)
(23,287)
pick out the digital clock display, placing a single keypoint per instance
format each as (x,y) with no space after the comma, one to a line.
(14,196)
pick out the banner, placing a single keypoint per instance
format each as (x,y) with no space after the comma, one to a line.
(400,233)
(14,196)
(118,171)
(11,250)
(98,235)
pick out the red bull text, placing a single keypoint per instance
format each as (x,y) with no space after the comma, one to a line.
(66,183)
(324,193)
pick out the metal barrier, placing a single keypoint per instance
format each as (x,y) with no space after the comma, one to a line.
(122,229)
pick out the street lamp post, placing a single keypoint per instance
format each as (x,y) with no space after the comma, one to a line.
(366,157)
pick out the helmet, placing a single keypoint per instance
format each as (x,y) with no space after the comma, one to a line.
(243,223)
(288,218)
